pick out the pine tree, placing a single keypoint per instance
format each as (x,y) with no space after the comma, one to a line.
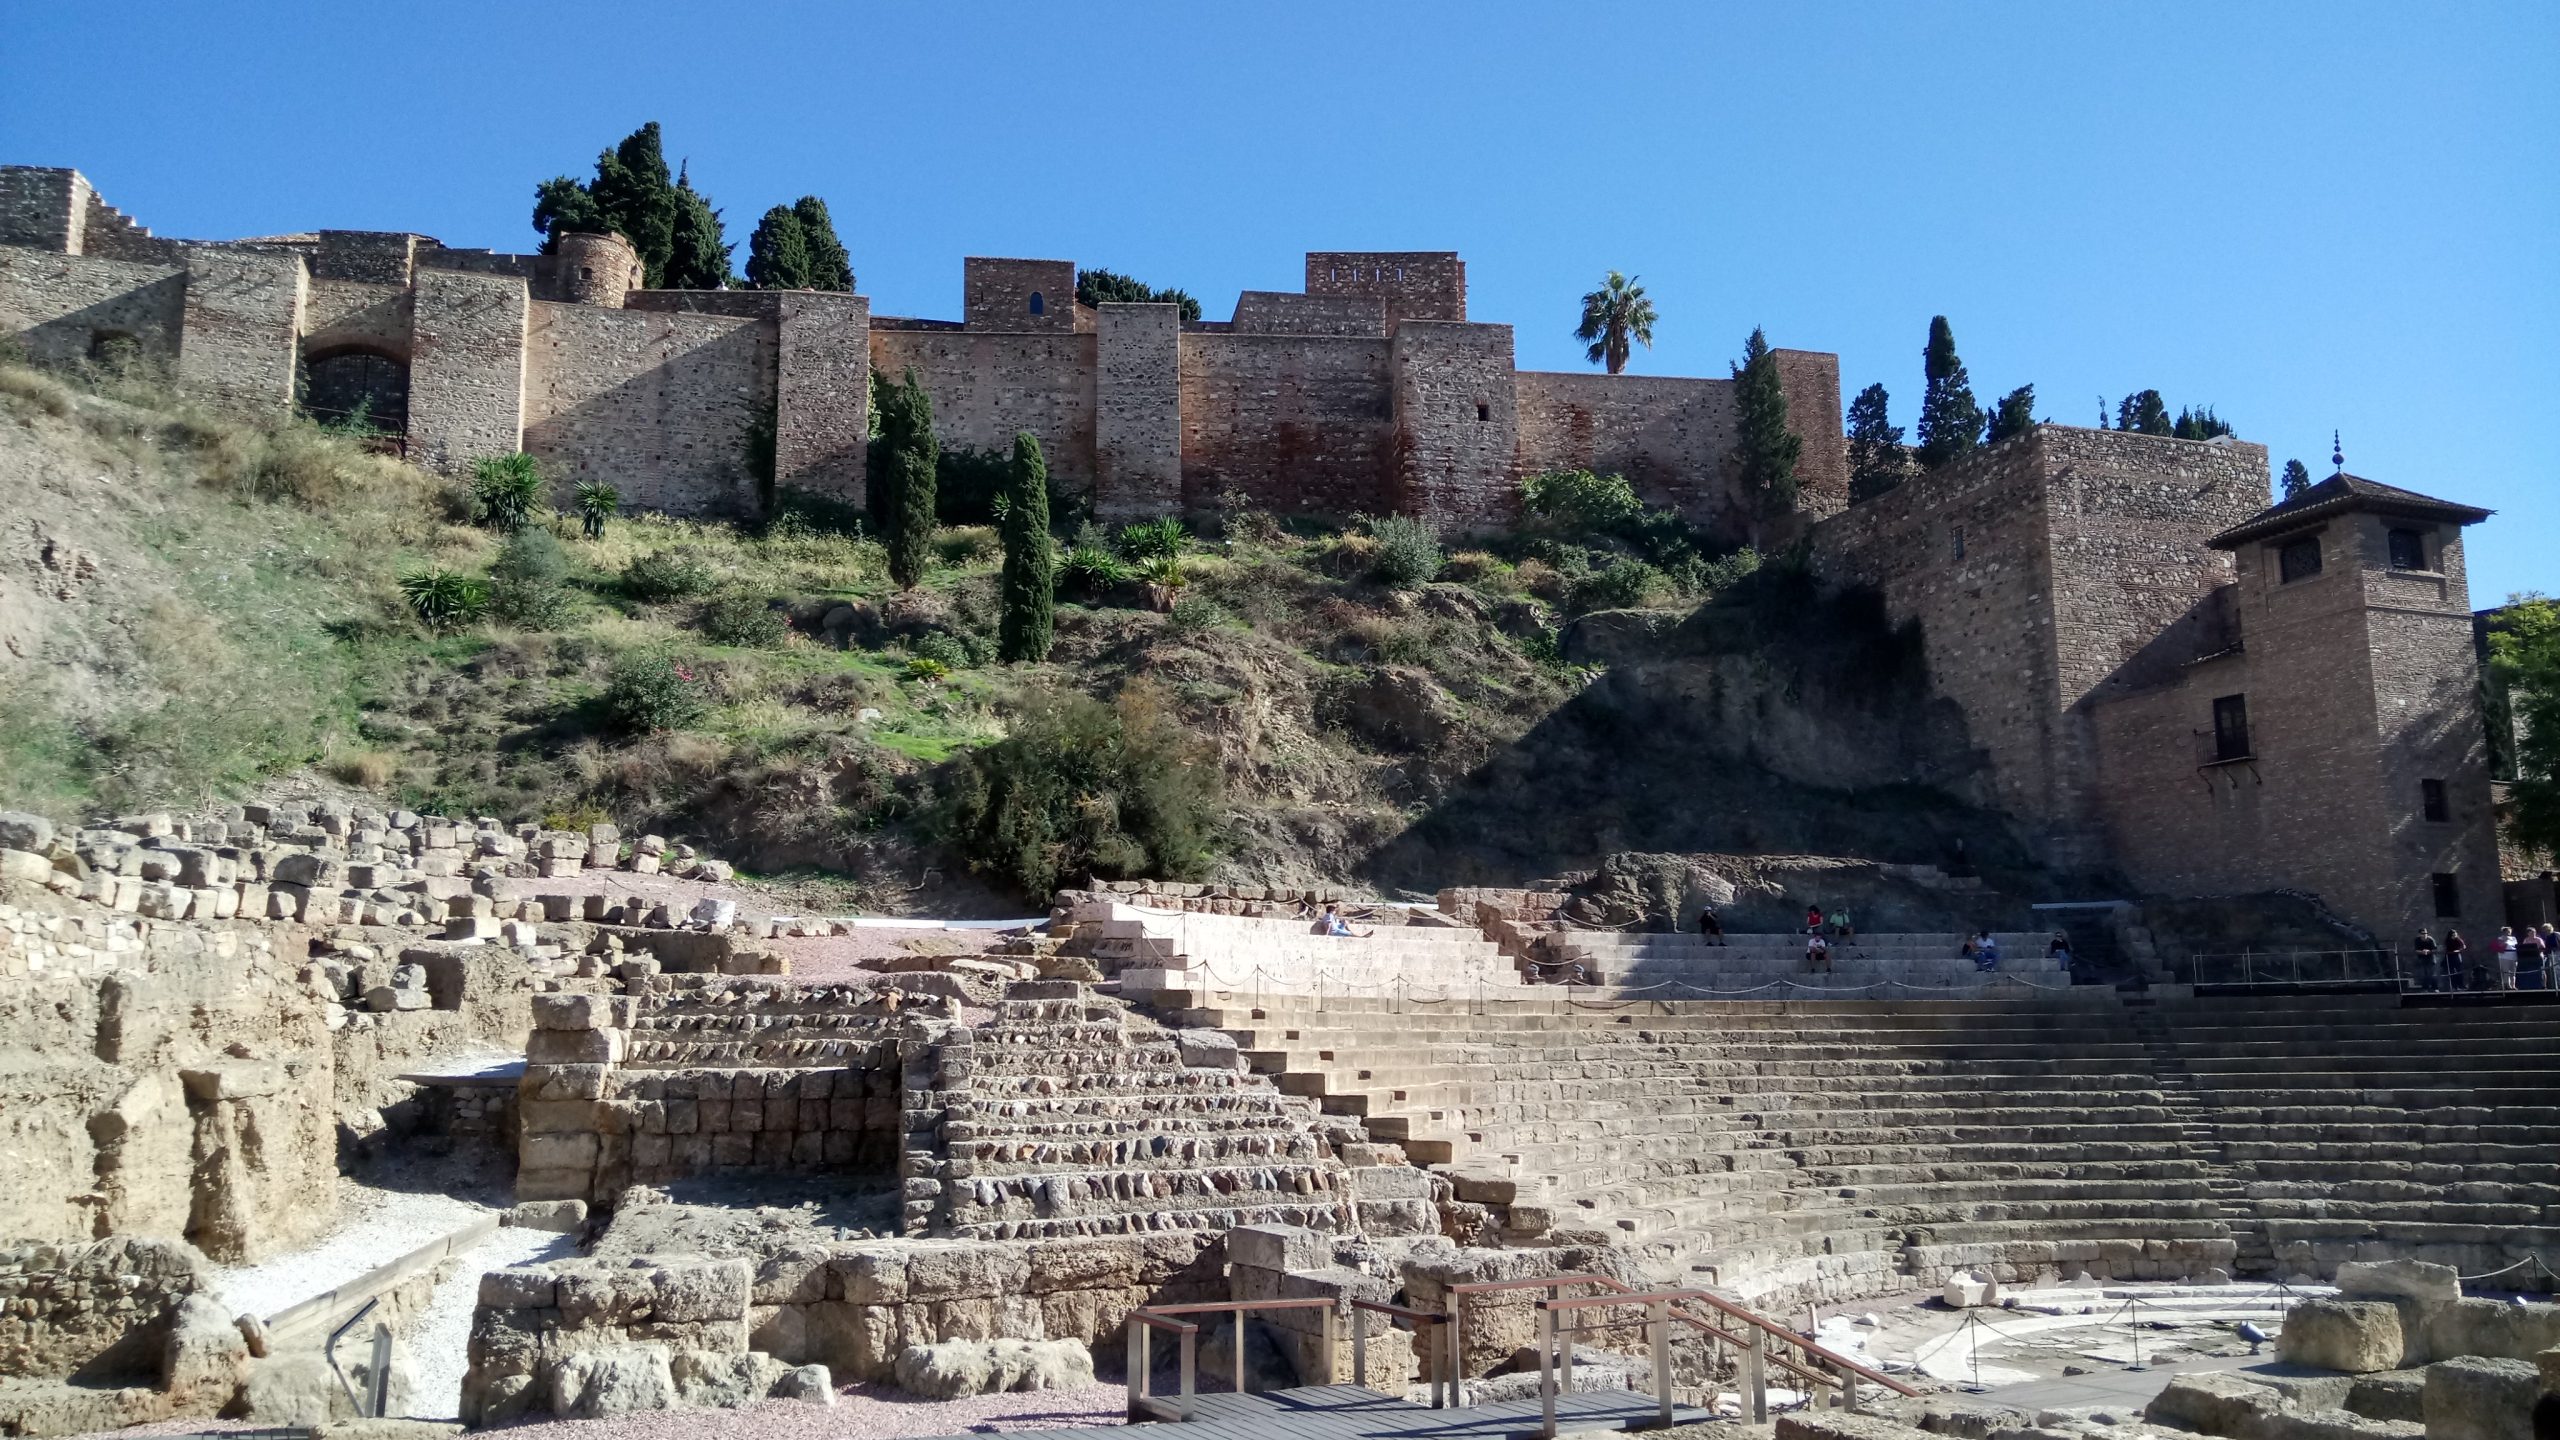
(2199,424)
(2144,412)
(1767,448)
(778,253)
(1877,461)
(2015,415)
(632,194)
(906,521)
(830,267)
(1110,287)
(700,259)
(2297,478)
(1030,564)
(1950,420)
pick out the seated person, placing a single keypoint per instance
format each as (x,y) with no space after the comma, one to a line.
(1334,924)
(1986,953)
(2060,949)
(1813,919)
(1711,925)
(1817,952)
(1841,929)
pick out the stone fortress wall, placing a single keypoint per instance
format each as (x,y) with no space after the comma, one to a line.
(1372,391)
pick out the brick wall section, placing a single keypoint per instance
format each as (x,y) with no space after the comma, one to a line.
(996,294)
(2360,683)
(55,306)
(1811,379)
(986,386)
(822,393)
(1414,284)
(1277,312)
(1457,427)
(243,328)
(43,208)
(466,368)
(1137,412)
(346,315)
(1671,437)
(1290,423)
(658,406)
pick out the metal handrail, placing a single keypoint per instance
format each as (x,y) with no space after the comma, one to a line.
(1657,1305)
(1419,1319)
(1749,1317)
(1147,1319)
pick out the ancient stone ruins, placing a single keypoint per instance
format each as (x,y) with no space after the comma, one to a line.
(316,1113)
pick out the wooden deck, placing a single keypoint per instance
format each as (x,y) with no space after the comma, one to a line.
(1347,1412)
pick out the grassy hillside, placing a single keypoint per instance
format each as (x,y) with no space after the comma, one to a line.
(188,606)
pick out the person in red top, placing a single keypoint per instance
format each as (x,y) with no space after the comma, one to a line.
(1812,919)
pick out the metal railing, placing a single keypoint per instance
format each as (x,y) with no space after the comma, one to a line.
(1420,1320)
(2299,969)
(1146,1320)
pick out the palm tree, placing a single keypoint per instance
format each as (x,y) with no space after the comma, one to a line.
(1612,315)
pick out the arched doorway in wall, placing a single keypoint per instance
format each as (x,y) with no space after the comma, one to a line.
(356,388)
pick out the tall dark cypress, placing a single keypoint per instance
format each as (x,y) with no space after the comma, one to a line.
(2015,414)
(638,196)
(830,267)
(906,432)
(2297,478)
(700,259)
(1950,421)
(1877,461)
(2144,412)
(1030,564)
(1767,448)
(778,253)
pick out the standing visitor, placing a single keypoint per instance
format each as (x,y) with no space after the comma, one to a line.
(2505,959)
(2060,950)
(2550,957)
(1710,925)
(2529,957)
(2427,977)
(2457,961)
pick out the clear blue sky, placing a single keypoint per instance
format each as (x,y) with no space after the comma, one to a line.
(2308,215)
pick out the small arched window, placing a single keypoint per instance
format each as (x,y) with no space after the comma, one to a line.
(1038,305)
(1484,412)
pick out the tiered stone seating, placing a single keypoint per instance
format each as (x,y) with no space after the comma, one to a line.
(1823,1148)
(1887,966)
(1068,1116)
(2360,1128)
(1166,954)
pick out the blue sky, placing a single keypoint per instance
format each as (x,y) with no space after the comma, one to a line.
(2309,216)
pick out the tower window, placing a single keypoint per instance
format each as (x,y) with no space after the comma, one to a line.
(2408,550)
(2448,896)
(2298,559)
(2432,802)
(586,272)
(2231,728)
(1955,541)
(1484,412)
(1038,305)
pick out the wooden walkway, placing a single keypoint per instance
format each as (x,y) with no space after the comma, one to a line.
(1347,1412)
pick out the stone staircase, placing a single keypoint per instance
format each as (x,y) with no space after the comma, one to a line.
(2251,1254)
(1173,959)
(1773,966)
(1068,1115)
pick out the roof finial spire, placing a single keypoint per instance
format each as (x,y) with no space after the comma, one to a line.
(2337,454)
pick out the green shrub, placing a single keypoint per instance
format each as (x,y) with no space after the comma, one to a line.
(531,604)
(1624,585)
(596,503)
(944,649)
(1408,553)
(1091,572)
(746,622)
(505,489)
(651,692)
(1579,501)
(531,555)
(445,598)
(961,546)
(928,670)
(1196,613)
(798,514)
(1082,788)
(1158,539)
(677,574)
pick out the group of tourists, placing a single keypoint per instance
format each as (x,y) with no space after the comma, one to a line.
(2526,959)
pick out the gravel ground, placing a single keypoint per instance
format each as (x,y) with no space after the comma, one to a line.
(375,1226)
(861,1412)
(438,1340)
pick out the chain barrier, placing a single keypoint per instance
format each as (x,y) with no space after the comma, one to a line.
(2536,1261)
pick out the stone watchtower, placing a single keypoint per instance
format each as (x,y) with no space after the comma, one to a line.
(597,269)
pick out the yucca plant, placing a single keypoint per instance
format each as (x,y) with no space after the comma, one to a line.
(597,503)
(505,489)
(445,598)
(1152,539)
(1164,580)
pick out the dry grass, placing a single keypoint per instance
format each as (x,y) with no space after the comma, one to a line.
(364,769)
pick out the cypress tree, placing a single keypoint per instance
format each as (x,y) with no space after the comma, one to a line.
(1876,459)
(2014,415)
(778,253)
(830,267)
(2297,478)
(906,433)
(700,259)
(638,197)
(2144,412)
(1950,420)
(2199,424)
(1030,566)
(1768,450)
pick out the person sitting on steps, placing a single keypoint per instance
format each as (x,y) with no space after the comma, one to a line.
(1817,953)
(1710,925)
(1334,924)
(1986,953)
(1841,929)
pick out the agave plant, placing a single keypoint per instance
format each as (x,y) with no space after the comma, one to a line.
(445,598)
(1164,580)
(597,502)
(1152,539)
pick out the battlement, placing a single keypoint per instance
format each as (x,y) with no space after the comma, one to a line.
(1413,284)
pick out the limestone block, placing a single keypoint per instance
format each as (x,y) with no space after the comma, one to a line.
(709,1290)
(574,1151)
(563,1217)
(472,928)
(954,1369)
(1484,1187)
(308,871)
(714,914)
(2399,1280)
(1965,1291)
(563,1082)
(2214,1404)
(24,865)
(723,1380)
(236,1081)
(208,1357)
(518,1287)
(1210,1050)
(616,1381)
(2388,1395)
(2476,1397)
(2357,1336)
(1278,1247)
(295,1388)
(806,1382)
(578,1012)
(574,1047)
(644,864)
(1389,1182)
(22,831)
